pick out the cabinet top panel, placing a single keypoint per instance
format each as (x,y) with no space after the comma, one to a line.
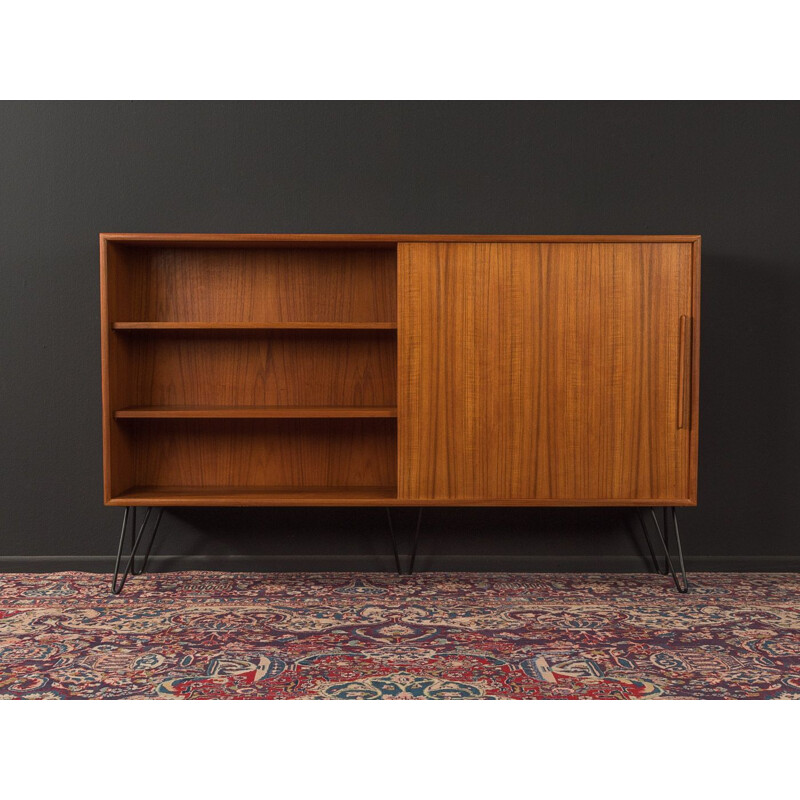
(344,239)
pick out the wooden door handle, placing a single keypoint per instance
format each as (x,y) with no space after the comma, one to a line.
(684,370)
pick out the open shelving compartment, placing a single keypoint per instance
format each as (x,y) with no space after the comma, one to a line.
(250,373)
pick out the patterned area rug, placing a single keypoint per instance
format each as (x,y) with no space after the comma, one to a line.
(378,636)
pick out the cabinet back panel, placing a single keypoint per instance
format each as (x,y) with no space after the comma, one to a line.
(263,453)
(275,284)
(242,368)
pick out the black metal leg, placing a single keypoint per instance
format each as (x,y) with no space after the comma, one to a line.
(678,575)
(394,542)
(416,542)
(114,588)
(685,584)
(141,569)
(653,557)
(136,538)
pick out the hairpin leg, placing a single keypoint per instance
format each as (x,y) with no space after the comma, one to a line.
(678,575)
(136,538)
(416,542)
(394,542)
(654,558)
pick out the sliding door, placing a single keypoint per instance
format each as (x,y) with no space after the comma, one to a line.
(545,373)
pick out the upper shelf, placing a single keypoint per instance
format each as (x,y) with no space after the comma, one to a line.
(254,412)
(254,326)
(253,287)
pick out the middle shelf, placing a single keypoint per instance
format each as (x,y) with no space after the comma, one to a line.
(255,412)
(255,374)
(254,326)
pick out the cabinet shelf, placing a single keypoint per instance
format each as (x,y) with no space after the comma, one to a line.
(255,496)
(254,326)
(255,412)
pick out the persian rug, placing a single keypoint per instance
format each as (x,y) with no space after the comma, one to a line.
(379,636)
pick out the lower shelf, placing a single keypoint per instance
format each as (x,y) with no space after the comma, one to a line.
(255,496)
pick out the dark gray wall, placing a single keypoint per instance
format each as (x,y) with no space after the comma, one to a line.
(729,171)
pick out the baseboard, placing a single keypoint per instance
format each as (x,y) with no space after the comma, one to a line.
(372,563)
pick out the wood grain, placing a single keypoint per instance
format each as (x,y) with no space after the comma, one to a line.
(334,496)
(258,496)
(542,372)
(255,412)
(684,371)
(254,326)
(308,368)
(250,285)
(345,240)
(117,449)
(262,369)
(694,416)
(246,453)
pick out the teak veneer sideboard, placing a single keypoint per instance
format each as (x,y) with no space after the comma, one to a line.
(363,370)
(400,370)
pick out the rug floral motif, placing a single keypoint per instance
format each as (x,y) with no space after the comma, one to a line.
(435,636)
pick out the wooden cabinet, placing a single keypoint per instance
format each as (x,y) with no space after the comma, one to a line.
(400,370)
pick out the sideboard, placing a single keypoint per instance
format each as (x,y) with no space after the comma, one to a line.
(397,370)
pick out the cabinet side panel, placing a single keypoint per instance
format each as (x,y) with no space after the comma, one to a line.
(104,362)
(694,419)
(114,296)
